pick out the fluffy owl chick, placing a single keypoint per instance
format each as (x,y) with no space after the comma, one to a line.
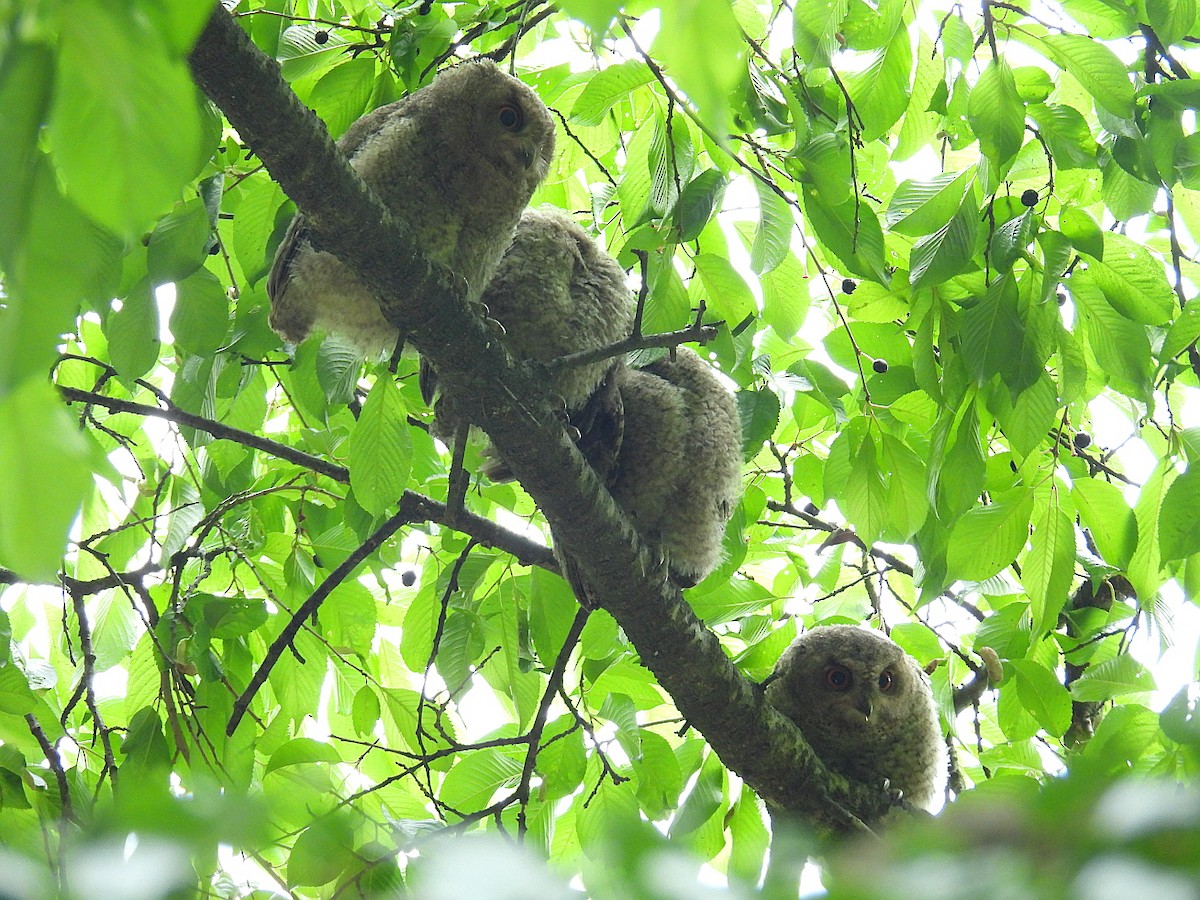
(556,292)
(864,706)
(457,161)
(678,471)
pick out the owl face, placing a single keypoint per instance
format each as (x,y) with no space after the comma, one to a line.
(511,126)
(863,693)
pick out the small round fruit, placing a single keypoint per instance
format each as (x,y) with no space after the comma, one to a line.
(408,578)
(880,366)
(1029,197)
(1082,440)
(321,37)
(848,285)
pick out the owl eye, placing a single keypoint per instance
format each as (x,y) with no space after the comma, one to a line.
(510,117)
(838,678)
(887,681)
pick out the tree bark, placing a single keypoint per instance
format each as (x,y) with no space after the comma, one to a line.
(426,303)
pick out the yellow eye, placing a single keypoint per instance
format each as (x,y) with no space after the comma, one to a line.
(510,117)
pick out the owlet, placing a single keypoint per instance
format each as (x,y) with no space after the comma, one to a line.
(678,470)
(864,706)
(556,292)
(457,161)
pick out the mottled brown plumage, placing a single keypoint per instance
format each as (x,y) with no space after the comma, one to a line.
(864,706)
(678,472)
(457,161)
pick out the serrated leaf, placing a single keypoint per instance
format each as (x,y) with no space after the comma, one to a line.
(253,221)
(725,291)
(1097,68)
(814,29)
(987,539)
(701,46)
(380,449)
(881,91)
(1133,281)
(996,113)
(851,232)
(179,243)
(1082,231)
(1179,517)
(1103,681)
(341,95)
(473,780)
(1104,512)
(921,207)
(200,319)
(607,87)
(1119,345)
(698,201)
(322,851)
(1041,694)
(1011,240)
(1049,565)
(300,751)
(773,236)
(785,297)
(16,699)
(948,251)
(759,414)
(132,332)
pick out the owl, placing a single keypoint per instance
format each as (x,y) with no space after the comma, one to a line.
(864,706)
(678,470)
(457,161)
(556,292)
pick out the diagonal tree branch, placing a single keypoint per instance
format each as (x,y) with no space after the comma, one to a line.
(424,301)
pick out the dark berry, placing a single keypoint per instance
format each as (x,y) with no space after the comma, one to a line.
(214,249)
(1029,198)
(1062,298)
(812,509)
(1082,440)
(408,578)
(321,37)
(880,366)
(848,285)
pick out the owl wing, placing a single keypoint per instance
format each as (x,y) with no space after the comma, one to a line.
(298,233)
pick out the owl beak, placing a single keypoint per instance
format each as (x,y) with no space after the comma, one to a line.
(528,154)
(863,705)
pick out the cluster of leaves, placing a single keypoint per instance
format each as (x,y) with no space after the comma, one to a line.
(940,246)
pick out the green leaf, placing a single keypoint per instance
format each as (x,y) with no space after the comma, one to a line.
(987,539)
(921,207)
(725,291)
(301,751)
(1104,512)
(785,297)
(995,340)
(132,332)
(773,237)
(698,201)
(851,232)
(1050,564)
(1133,281)
(1095,67)
(1172,20)
(25,89)
(881,91)
(702,801)
(253,221)
(119,84)
(948,251)
(476,777)
(1180,718)
(380,449)
(907,493)
(701,45)
(16,699)
(200,319)
(322,851)
(596,14)
(1179,517)
(1011,240)
(179,243)
(1041,693)
(343,93)
(607,87)
(1067,135)
(996,114)
(1183,331)
(45,474)
(1112,678)
(1082,231)
(759,414)
(145,745)
(1119,345)
(815,26)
